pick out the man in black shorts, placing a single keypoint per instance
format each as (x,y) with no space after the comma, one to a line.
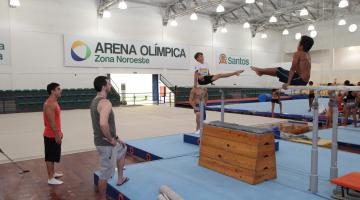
(52,133)
(275,99)
(300,70)
(202,74)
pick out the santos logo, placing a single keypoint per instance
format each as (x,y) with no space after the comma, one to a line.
(223,59)
(80,51)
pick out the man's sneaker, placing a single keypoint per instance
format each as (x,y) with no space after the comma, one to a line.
(197,132)
(54,181)
(58,175)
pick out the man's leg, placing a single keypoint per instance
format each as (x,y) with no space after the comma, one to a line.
(102,188)
(346,114)
(280,104)
(225,75)
(329,117)
(197,114)
(272,109)
(50,169)
(265,71)
(120,166)
(310,103)
(354,116)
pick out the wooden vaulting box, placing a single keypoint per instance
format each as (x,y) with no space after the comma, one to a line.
(245,153)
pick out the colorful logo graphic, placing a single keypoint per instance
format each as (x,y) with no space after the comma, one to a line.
(79,47)
(222,59)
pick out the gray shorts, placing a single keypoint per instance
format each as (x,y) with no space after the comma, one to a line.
(107,159)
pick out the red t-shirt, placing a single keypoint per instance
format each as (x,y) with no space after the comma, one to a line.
(48,132)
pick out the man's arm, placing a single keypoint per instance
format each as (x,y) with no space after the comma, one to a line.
(196,77)
(104,108)
(294,65)
(50,114)
(191,99)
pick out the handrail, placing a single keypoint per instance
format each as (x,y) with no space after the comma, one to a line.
(114,84)
(165,81)
(290,88)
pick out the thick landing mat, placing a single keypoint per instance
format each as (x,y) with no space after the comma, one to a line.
(347,136)
(184,176)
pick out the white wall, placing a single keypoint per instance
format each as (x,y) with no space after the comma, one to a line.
(331,51)
(36,34)
(134,83)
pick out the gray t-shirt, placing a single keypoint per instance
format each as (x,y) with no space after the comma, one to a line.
(95,118)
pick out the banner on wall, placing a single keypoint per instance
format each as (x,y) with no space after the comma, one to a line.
(230,59)
(82,51)
(4,47)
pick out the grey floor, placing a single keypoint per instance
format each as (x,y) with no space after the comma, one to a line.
(21,133)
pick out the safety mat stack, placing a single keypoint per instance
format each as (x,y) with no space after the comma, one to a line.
(243,152)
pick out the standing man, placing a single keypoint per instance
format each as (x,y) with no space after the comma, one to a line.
(108,145)
(275,99)
(52,133)
(311,95)
(196,95)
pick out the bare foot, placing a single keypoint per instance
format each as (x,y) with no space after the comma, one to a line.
(237,73)
(256,70)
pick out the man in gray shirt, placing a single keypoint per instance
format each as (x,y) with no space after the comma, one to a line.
(108,145)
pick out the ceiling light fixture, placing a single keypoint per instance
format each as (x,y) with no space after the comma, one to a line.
(273,19)
(246,25)
(343,4)
(193,17)
(122,5)
(220,8)
(285,32)
(304,12)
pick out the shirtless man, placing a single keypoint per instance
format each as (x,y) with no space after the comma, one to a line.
(196,95)
(275,99)
(300,70)
(311,95)
(329,113)
(202,74)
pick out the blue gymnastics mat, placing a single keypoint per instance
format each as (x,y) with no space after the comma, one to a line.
(180,171)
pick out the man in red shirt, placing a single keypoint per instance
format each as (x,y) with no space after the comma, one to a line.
(52,133)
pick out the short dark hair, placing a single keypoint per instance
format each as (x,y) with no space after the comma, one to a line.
(347,82)
(51,86)
(307,42)
(99,82)
(311,83)
(197,55)
(329,84)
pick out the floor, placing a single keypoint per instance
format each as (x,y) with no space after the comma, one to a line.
(78,179)
(21,139)
(21,133)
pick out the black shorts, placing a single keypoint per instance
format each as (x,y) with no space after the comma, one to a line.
(311,96)
(283,76)
(206,80)
(52,150)
(275,101)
